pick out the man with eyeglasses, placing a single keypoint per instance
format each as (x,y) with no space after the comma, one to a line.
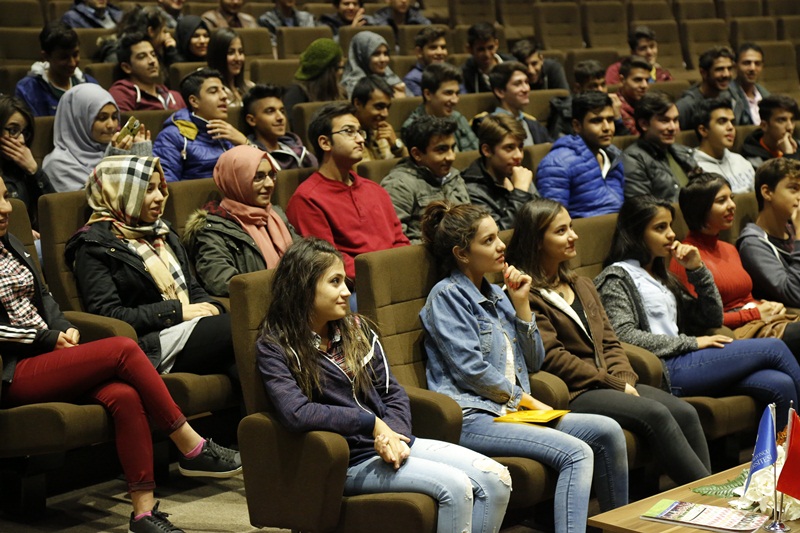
(353,213)
(372,98)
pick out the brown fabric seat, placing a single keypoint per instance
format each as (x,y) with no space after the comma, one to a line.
(752,30)
(556,23)
(278,72)
(604,25)
(699,35)
(60,215)
(283,468)
(292,41)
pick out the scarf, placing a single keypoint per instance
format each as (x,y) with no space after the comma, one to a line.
(75,153)
(362,46)
(233,174)
(115,192)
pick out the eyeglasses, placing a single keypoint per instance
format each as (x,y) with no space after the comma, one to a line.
(351,133)
(14,131)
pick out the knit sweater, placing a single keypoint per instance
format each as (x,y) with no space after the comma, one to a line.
(355,218)
(592,359)
(733,282)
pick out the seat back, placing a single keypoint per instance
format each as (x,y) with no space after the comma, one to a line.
(178,71)
(604,25)
(250,298)
(780,68)
(533,155)
(470,105)
(694,9)
(19,225)
(539,103)
(556,24)
(377,169)
(60,216)
(649,10)
(789,28)
(187,196)
(401,109)
(458,42)
(779,8)
(674,88)
(402,65)
(752,29)
(593,244)
(257,43)
(287,182)
(102,72)
(91,40)
(604,56)
(465,159)
(301,118)
(22,14)
(470,12)
(10,75)
(20,46)
(43,138)
(516,17)
(699,35)
(746,212)
(278,72)
(729,9)
(670,52)
(392,286)
(152,119)
(292,41)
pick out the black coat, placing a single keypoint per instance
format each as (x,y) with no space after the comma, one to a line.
(112,281)
(17,342)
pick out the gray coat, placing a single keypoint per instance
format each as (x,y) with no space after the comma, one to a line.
(412,187)
(740,99)
(775,271)
(689,104)
(623,304)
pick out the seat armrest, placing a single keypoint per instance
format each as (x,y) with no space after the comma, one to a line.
(722,330)
(95,327)
(549,389)
(292,480)
(434,415)
(645,364)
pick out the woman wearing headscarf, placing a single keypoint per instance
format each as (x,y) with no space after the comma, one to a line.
(130,265)
(85,130)
(192,37)
(369,54)
(317,79)
(243,232)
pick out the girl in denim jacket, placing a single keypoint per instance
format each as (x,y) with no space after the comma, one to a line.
(324,369)
(482,344)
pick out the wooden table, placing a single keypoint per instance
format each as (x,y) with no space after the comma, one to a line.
(626,519)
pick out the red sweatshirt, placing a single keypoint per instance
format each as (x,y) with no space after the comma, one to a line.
(733,282)
(355,218)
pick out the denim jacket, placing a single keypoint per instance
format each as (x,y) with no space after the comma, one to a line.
(466,347)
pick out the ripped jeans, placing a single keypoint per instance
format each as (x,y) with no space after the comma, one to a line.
(472,490)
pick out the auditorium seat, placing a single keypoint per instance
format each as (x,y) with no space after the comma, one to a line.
(604,56)
(10,75)
(472,11)
(278,72)
(645,11)
(752,30)
(517,19)
(694,9)
(458,39)
(605,25)
(557,25)
(293,41)
(533,155)
(21,14)
(699,35)
(406,33)
(102,72)
(728,9)
(780,68)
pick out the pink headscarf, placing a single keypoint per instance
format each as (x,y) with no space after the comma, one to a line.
(233,174)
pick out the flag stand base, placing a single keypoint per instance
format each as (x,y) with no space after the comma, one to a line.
(777,526)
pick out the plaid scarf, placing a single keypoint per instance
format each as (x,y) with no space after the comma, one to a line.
(17,291)
(115,192)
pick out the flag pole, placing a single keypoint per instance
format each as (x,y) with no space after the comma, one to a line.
(777,510)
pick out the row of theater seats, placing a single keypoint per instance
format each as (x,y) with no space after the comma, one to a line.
(392,286)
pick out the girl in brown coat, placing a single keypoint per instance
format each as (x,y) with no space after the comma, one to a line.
(582,349)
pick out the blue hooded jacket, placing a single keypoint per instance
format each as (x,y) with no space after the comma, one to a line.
(570,174)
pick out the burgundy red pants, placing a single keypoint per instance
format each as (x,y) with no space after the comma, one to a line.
(116,374)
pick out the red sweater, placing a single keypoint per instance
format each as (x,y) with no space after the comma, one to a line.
(733,282)
(129,98)
(355,218)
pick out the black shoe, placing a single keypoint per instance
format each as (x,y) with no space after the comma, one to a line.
(155,523)
(213,461)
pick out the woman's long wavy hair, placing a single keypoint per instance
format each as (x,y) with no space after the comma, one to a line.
(288,320)
(324,87)
(217,57)
(524,250)
(628,241)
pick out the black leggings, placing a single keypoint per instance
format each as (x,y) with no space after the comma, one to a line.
(209,349)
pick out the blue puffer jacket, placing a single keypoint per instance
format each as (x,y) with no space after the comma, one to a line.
(185,159)
(38,94)
(571,175)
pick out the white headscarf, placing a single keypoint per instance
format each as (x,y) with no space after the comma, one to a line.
(362,46)
(76,154)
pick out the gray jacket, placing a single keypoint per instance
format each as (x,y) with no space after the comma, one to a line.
(623,304)
(412,187)
(647,169)
(272,20)
(774,270)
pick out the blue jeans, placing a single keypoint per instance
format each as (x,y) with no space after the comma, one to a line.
(472,490)
(670,426)
(762,368)
(581,446)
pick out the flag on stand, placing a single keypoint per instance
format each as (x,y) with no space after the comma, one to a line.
(789,482)
(766,450)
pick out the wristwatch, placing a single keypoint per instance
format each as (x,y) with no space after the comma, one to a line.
(398,146)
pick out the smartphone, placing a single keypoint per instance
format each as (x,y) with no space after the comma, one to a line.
(130,128)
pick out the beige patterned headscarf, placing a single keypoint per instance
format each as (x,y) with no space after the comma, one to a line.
(115,192)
